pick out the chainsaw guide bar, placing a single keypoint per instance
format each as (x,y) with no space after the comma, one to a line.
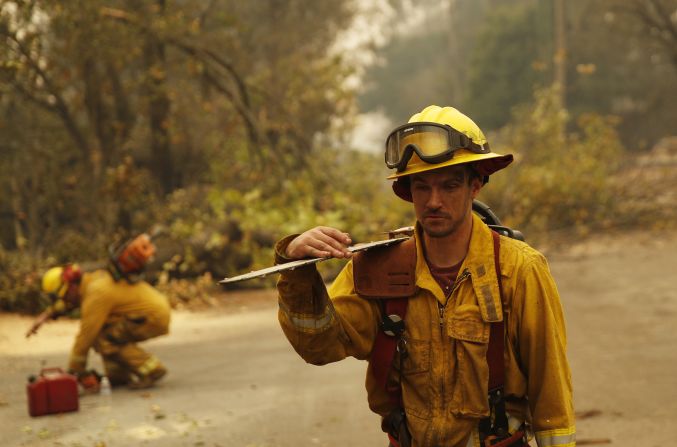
(301,262)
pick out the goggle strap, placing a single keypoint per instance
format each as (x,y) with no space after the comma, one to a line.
(465,142)
(462,140)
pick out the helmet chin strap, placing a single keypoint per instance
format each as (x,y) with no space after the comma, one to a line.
(72,274)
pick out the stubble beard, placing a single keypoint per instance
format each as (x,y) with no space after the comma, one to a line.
(451,225)
(436,232)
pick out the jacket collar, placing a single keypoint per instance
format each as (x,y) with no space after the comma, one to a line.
(479,262)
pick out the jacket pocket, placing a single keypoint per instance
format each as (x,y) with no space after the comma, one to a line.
(470,341)
(415,376)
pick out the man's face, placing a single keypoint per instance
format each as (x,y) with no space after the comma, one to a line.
(443,199)
(72,296)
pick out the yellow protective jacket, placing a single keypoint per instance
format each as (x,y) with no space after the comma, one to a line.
(445,375)
(103,300)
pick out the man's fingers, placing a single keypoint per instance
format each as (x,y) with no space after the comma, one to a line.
(335,234)
(331,243)
(327,248)
(321,242)
(336,241)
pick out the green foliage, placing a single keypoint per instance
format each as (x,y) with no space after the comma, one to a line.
(20,283)
(232,230)
(621,62)
(559,181)
(511,58)
(120,103)
(116,116)
(223,121)
(486,57)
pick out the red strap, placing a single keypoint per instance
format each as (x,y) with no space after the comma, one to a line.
(383,353)
(496,347)
(393,441)
(512,441)
(384,348)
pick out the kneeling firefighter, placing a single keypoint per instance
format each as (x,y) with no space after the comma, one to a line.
(117,310)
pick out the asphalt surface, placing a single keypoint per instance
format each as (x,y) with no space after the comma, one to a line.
(235,381)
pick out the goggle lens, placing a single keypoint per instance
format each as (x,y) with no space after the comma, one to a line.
(431,141)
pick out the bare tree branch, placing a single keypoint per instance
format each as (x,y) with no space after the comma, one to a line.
(653,16)
(202,54)
(60,106)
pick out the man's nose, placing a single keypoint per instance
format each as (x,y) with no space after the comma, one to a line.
(435,198)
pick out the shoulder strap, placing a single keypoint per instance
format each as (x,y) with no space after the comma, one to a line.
(496,347)
(389,335)
(386,272)
(496,361)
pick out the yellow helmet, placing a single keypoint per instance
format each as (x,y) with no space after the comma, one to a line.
(53,283)
(56,282)
(435,138)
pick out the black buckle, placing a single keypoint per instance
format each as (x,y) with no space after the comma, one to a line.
(496,428)
(392,325)
(395,423)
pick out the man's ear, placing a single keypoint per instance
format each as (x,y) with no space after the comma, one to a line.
(475,186)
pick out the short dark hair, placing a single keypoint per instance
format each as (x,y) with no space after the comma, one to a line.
(473,174)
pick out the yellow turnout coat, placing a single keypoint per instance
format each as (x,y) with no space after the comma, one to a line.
(141,310)
(445,375)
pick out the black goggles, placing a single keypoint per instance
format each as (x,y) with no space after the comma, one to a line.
(432,142)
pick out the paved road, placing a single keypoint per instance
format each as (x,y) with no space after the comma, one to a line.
(235,381)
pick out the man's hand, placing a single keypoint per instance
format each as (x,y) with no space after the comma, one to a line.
(320,242)
(90,381)
(34,329)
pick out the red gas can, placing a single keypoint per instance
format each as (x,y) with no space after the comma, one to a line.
(54,391)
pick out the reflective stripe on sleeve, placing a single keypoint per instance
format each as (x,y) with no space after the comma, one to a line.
(474,439)
(561,437)
(310,323)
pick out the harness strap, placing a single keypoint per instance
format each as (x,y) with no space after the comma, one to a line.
(389,278)
(496,349)
(385,345)
(496,361)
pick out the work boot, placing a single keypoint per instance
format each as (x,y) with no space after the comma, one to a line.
(118,374)
(120,380)
(148,380)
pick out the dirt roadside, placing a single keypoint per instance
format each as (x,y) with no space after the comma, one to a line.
(234,380)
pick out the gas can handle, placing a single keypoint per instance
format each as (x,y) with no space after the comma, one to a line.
(51,370)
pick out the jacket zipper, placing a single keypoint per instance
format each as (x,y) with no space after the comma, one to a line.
(459,279)
(441,308)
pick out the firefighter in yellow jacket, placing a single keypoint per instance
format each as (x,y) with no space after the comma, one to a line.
(115,316)
(465,282)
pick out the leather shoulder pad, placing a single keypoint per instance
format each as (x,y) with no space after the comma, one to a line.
(386,272)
